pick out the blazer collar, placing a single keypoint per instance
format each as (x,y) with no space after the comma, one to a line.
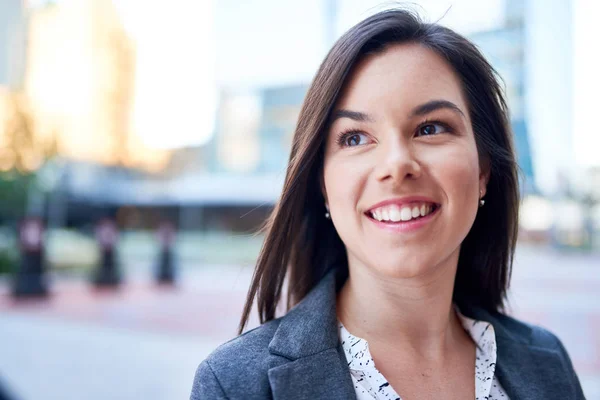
(524,370)
(311,326)
(308,337)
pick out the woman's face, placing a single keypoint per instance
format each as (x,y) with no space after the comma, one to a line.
(401,171)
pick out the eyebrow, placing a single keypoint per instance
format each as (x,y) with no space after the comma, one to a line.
(353,115)
(434,105)
(420,110)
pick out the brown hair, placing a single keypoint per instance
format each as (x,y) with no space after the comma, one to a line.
(299,240)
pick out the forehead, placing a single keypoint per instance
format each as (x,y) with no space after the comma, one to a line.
(401,77)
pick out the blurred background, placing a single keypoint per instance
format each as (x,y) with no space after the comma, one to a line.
(143,143)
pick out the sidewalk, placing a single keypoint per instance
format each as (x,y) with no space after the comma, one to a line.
(142,341)
(45,358)
(561,292)
(205,302)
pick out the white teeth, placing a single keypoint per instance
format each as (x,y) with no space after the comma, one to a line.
(405,213)
(394,214)
(385,214)
(415,212)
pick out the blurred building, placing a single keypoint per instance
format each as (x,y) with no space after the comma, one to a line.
(255,130)
(80,80)
(82,69)
(244,163)
(12,44)
(265,117)
(230,183)
(12,41)
(549,74)
(281,109)
(504,47)
(561,39)
(16,143)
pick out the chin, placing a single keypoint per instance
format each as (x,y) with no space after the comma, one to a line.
(401,266)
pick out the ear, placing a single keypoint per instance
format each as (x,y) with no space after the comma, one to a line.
(322,186)
(484,176)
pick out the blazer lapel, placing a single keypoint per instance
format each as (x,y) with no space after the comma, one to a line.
(320,376)
(307,337)
(539,380)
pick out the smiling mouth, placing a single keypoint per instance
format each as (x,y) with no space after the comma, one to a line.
(394,214)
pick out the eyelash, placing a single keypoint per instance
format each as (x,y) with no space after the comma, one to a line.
(446,126)
(342,136)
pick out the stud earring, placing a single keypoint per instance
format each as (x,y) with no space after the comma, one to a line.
(481,201)
(327,215)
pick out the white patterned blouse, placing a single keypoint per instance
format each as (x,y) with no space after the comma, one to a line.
(370,384)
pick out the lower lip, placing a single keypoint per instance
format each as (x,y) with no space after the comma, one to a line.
(406,226)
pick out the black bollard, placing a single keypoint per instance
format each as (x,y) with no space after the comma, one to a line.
(31,279)
(107,273)
(165,271)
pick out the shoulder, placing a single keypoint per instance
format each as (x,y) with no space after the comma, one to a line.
(536,337)
(516,335)
(511,328)
(238,367)
(517,338)
(514,330)
(248,349)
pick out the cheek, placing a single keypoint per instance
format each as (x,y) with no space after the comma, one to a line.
(458,176)
(343,183)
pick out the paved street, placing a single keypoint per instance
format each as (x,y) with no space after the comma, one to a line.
(144,341)
(561,292)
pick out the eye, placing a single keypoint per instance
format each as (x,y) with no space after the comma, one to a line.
(352,139)
(429,129)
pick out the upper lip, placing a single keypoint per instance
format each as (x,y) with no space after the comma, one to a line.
(400,201)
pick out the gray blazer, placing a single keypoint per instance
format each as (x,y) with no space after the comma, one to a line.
(299,356)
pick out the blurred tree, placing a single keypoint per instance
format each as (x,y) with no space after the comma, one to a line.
(19,145)
(22,153)
(21,148)
(9,258)
(14,187)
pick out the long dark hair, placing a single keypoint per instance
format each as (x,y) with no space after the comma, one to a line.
(301,245)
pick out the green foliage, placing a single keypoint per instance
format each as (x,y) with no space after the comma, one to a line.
(13,194)
(9,256)
(8,261)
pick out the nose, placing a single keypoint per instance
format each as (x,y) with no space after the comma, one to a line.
(398,162)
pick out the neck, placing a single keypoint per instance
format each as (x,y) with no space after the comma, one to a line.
(413,315)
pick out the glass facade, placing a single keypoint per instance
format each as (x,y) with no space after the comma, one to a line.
(12,42)
(505,49)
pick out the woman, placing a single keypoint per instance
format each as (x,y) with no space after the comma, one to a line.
(395,231)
